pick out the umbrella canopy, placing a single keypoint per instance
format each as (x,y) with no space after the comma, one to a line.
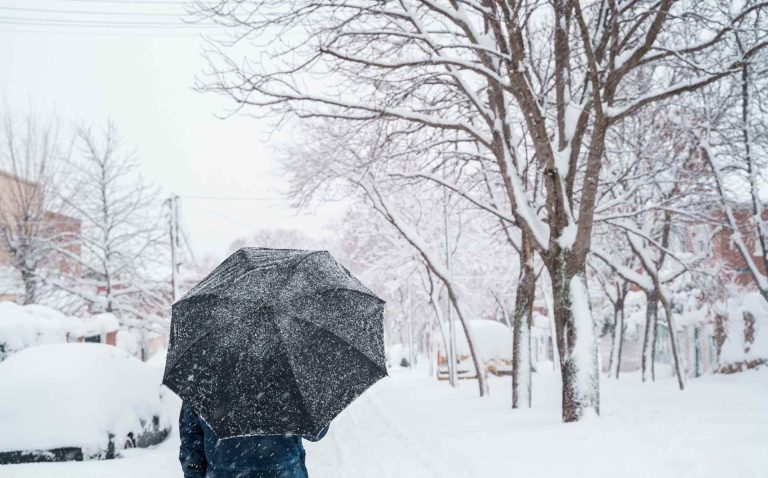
(275,341)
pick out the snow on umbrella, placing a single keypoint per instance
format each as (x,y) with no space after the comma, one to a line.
(275,341)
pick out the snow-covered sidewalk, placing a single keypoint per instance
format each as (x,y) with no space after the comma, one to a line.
(409,425)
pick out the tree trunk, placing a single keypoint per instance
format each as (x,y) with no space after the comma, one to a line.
(615,334)
(30,287)
(649,336)
(521,338)
(673,341)
(482,378)
(654,337)
(621,342)
(575,340)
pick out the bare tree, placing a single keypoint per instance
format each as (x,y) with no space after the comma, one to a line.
(31,219)
(732,138)
(123,238)
(553,77)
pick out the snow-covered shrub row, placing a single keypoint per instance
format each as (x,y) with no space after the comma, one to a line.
(746,333)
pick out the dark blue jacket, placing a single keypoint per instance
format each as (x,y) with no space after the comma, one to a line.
(203,455)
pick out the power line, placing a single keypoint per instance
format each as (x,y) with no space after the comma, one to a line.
(145,2)
(99,24)
(227,218)
(91,12)
(126,33)
(230,198)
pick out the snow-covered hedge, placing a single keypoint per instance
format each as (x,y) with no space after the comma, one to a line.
(746,330)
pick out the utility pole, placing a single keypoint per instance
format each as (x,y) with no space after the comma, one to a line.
(173,227)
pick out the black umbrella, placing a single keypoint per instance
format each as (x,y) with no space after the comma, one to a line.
(275,341)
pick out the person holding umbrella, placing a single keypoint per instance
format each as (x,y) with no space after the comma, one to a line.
(268,349)
(204,455)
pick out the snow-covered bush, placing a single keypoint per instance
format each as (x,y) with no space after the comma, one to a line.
(746,329)
(398,356)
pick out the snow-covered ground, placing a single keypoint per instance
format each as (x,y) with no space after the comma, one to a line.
(409,425)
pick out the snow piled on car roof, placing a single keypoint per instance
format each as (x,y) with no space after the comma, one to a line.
(74,395)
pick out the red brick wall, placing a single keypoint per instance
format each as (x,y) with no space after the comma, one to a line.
(724,252)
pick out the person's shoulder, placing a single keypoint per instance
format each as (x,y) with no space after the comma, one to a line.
(317,437)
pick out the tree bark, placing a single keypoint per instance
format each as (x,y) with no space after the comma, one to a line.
(30,281)
(654,337)
(621,343)
(521,333)
(575,340)
(673,341)
(649,336)
(614,363)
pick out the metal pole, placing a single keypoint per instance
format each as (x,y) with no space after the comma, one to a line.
(410,342)
(174,230)
(697,351)
(451,326)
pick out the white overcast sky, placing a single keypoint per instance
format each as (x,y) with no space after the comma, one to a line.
(143,79)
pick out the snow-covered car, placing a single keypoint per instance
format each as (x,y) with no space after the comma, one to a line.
(494,344)
(77,401)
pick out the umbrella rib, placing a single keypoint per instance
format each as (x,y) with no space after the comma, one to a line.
(338,337)
(293,373)
(354,291)
(186,350)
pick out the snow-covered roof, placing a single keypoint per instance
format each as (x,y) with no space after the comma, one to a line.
(494,339)
(74,395)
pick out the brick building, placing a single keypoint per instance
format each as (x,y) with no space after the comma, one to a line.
(723,251)
(19,196)
(701,338)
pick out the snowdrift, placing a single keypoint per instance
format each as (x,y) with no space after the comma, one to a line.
(80,395)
